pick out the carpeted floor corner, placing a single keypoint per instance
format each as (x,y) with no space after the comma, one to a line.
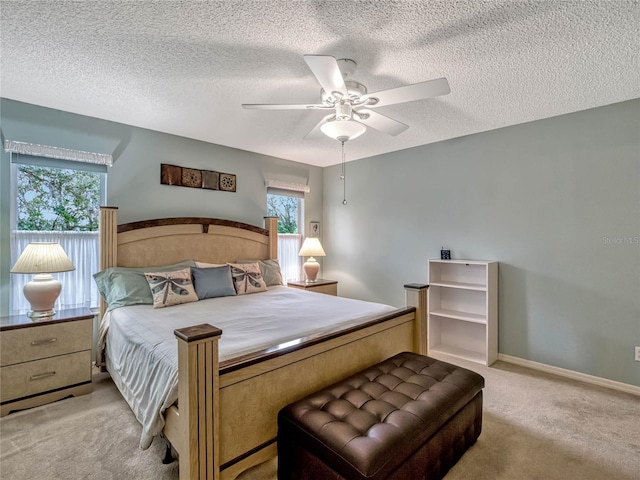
(536,426)
(94,436)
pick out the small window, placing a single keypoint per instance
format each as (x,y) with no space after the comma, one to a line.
(288,206)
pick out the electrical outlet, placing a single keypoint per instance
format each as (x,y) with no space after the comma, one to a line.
(637,354)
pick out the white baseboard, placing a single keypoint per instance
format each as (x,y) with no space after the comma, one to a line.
(562,372)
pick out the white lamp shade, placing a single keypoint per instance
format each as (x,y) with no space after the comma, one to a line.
(311,248)
(43,258)
(343,130)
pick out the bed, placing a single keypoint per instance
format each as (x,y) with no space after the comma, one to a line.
(219,405)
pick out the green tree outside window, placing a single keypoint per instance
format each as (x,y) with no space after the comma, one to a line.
(286,209)
(57,199)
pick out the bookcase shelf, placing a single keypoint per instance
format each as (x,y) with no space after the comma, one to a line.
(462,285)
(448,351)
(467,317)
(462,320)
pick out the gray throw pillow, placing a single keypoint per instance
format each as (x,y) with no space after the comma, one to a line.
(213,282)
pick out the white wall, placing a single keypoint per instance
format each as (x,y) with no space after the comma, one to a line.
(556,202)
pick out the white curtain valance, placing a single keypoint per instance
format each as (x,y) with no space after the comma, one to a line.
(294,187)
(36,150)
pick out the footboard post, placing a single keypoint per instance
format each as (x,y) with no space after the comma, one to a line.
(198,406)
(417,297)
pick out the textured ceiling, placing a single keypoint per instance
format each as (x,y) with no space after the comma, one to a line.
(186,67)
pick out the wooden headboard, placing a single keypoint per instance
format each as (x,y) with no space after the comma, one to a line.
(165,241)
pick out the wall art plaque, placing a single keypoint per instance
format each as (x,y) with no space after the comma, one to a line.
(195,178)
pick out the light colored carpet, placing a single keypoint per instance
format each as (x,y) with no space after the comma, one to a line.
(536,426)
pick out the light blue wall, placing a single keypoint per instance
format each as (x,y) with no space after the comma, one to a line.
(542,198)
(133,182)
(556,202)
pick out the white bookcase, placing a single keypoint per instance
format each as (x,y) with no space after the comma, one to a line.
(463,310)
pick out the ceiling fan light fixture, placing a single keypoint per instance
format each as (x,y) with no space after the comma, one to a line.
(350,100)
(341,129)
(343,111)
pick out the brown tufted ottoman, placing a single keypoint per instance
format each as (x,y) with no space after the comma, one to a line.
(409,417)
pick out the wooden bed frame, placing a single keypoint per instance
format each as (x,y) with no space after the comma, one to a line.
(226,419)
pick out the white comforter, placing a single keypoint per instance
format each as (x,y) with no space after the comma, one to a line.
(142,352)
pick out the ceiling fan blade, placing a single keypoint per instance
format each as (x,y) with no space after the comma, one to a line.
(326,70)
(410,93)
(380,122)
(306,106)
(315,131)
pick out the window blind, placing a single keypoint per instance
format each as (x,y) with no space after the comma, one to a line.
(287,189)
(21,159)
(56,157)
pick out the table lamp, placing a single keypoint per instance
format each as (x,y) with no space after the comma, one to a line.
(42,259)
(311,248)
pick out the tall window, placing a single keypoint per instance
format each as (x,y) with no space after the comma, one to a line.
(288,206)
(58,201)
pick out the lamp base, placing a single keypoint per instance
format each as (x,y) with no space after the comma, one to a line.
(42,293)
(311,268)
(38,315)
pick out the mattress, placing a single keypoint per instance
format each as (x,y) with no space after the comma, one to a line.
(142,352)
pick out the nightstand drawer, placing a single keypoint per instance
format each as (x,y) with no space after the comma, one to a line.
(25,344)
(40,376)
(329,287)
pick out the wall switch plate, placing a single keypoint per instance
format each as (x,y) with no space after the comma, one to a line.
(637,354)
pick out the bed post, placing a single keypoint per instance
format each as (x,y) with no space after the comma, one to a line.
(271,224)
(417,297)
(199,407)
(108,243)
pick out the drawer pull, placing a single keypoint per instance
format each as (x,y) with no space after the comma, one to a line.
(40,376)
(48,341)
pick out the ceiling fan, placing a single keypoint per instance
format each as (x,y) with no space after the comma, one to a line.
(350,103)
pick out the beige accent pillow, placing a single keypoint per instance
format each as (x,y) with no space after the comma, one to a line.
(171,288)
(247,278)
(270,270)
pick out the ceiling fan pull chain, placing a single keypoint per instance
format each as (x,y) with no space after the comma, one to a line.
(342,171)
(343,177)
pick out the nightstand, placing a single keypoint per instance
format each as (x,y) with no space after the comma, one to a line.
(330,287)
(42,361)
